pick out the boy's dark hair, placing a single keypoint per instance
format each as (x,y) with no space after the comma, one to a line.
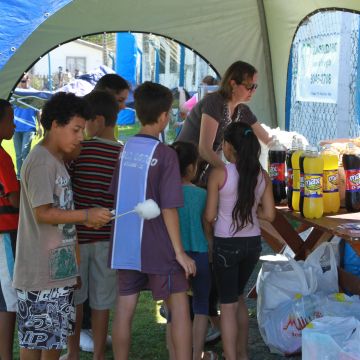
(4,104)
(151,100)
(62,107)
(112,82)
(103,103)
(188,154)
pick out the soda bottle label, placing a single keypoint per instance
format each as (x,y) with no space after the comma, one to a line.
(277,172)
(313,185)
(352,180)
(290,179)
(331,178)
(301,184)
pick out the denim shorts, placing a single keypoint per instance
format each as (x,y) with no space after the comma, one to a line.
(200,283)
(234,260)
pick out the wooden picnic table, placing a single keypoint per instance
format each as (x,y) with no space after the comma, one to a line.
(281,232)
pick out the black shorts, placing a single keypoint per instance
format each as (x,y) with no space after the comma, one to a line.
(234,260)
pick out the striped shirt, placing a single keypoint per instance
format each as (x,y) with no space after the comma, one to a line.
(91,175)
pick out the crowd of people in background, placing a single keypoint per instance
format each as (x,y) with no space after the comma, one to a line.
(70,250)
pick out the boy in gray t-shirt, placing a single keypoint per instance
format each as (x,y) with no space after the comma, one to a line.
(45,266)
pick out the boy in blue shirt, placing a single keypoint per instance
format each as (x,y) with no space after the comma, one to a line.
(149,254)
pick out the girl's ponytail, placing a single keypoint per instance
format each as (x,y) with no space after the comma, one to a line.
(247,152)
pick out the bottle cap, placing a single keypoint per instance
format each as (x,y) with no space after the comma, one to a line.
(351,149)
(294,143)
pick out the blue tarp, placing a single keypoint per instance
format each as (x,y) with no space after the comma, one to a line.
(25,16)
(34,99)
(29,98)
(126,53)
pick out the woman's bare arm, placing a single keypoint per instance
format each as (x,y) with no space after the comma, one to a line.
(261,133)
(208,129)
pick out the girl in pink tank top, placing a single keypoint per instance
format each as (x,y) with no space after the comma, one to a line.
(239,194)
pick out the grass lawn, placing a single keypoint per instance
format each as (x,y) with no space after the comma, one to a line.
(148,340)
(148,334)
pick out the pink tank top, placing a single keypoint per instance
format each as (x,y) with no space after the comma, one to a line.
(227,198)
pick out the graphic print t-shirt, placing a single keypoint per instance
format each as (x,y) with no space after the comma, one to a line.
(45,253)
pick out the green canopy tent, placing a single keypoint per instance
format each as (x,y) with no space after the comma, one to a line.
(257,31)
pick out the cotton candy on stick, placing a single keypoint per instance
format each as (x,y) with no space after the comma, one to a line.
(147,209)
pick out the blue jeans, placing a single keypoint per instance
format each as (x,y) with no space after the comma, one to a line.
(201,282)
(22,144)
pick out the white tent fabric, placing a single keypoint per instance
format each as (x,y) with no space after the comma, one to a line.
(257,31)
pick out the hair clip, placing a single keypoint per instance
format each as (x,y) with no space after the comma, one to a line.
(247,131)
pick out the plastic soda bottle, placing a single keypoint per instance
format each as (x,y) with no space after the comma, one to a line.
(331,195)
(277,154)
(313,185)
(301,166)
(289,168)
(351,162)
(295,161)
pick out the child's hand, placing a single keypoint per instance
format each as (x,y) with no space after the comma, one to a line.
(97,217)
(187,264)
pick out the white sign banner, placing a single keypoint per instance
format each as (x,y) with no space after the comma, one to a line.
(318,70)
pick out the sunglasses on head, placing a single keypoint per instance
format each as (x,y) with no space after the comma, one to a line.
(250,87)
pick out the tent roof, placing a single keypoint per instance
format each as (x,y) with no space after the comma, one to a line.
(259,32)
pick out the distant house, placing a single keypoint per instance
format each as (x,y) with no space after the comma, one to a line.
(78,55)
(158,59)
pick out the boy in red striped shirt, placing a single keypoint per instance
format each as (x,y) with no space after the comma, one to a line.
(91,176)
(9,218)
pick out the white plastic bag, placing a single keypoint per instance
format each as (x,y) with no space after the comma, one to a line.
(323,262)
(331,338)
(339,304)
(282,327)
(280,281)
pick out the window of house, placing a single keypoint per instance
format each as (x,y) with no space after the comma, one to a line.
(174,57)
(76,63)
(162,60)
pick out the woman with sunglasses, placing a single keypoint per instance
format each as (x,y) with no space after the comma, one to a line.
(205,126)
(210,116)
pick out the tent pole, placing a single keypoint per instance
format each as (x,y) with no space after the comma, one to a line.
(49,73)
(268,64)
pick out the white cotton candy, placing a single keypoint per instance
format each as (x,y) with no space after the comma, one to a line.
(148,209)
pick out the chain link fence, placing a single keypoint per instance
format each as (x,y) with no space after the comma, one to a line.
(317,120)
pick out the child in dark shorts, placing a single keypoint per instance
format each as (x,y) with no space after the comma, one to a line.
(239,194)
(149,253)
(195,243)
